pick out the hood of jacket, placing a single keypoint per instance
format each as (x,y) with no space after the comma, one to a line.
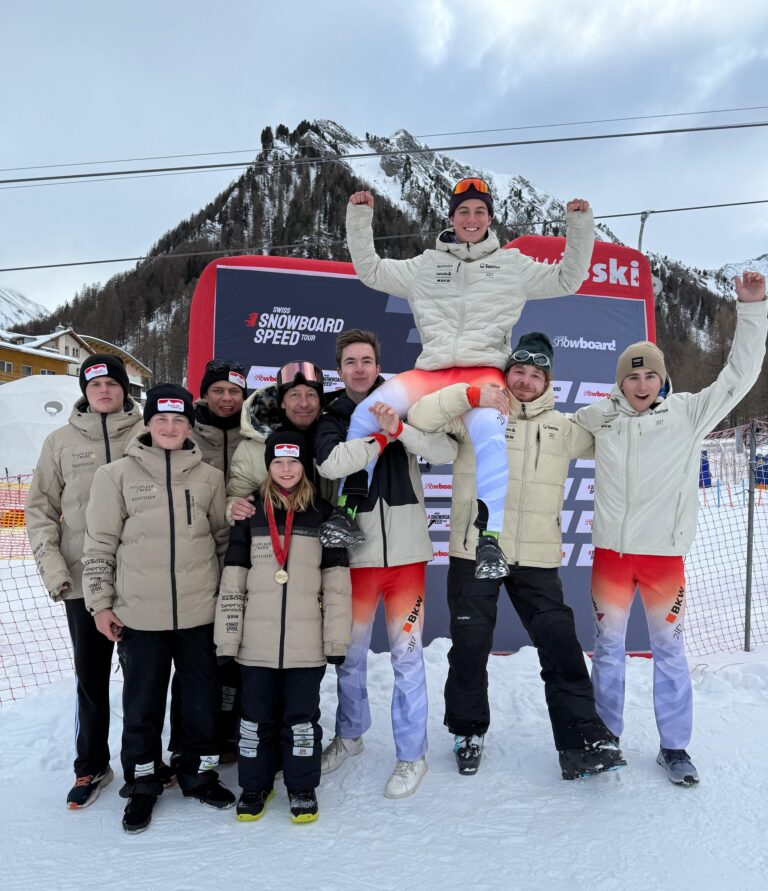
(621,404)
(464,250)
(524,411)
(154,462)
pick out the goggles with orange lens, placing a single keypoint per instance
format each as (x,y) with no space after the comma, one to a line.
(299,372)
(464,185)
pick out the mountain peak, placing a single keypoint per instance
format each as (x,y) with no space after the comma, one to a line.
(16,309)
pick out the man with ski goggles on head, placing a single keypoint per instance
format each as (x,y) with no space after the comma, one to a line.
(540,442)
(466,295)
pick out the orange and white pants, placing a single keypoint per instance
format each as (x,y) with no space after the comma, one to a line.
(661,582)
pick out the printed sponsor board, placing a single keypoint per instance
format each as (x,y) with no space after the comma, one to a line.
(437,485)
(587,392)
(567,551)
(584,526)
(562,390)
(439,519)
(586,490)
(565,520)
(586,555)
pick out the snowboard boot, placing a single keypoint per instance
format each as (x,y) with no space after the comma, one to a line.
(468,751)
(303,806)
(211,794)
(490,562)
(593,758)
(340,530)
(252,805)
(86,789)
(405,778)
(337,751)
(138,812)
(678,766)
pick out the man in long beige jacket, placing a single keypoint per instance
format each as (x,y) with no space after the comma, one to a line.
(540,444)
(100,427)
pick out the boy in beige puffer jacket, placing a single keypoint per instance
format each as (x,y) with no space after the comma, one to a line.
(100,427)
(155,525)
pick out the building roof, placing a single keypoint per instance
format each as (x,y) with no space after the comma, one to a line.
(34,351)
(96,344)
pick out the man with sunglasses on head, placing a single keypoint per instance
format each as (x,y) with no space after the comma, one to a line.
(294,402)
(540,444)
(466,296)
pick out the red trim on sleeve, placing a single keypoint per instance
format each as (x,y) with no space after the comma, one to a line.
(398,431)
(381,439)
(473,396)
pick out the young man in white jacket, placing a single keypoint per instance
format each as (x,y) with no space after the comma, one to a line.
(647,452)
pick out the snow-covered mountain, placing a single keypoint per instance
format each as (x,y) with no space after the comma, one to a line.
(16,309)
(719,281)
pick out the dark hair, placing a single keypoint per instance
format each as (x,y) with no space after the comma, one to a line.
(357,335)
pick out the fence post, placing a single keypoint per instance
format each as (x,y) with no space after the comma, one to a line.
(750,535)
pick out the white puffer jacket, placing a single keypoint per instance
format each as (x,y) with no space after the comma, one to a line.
(647,463)
(466,298)
(540,445)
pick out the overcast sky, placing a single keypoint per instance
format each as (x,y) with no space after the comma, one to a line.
(100,81)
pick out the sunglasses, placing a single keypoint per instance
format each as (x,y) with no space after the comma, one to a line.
(464,185)
(224,365)
(306,370)
(540,359)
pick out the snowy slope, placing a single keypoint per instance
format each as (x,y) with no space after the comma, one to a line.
(516,825)
(16,309)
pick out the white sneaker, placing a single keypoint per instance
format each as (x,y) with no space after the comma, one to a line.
(405,778)
(338,750)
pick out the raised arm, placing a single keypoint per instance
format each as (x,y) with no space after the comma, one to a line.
(392,276)
(566,277)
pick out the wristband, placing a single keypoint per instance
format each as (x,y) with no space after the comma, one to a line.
(473,396)
(397,432)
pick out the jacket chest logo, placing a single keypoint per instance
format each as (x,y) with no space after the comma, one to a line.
(141,493)
(444,273)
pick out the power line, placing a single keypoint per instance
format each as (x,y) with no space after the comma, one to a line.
(303,161)
(330,243)
(645,117)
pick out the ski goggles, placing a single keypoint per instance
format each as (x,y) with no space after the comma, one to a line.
(464,185)
(523,357)
(300,373)
(224,365)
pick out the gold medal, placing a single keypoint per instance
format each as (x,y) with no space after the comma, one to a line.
(281,576)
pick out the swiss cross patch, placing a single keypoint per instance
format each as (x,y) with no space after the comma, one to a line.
(286,450)
(170,405)
(236,378)
(637,362)
(96,371)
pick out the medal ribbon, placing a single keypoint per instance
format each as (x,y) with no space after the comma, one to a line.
(280,552)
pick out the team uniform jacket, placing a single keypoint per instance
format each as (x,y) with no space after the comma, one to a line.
(392,517)
(466,298)
(155,525)
(216,443)
(260,416)
(647,463)
(292,625)
(541,442)
(61,486)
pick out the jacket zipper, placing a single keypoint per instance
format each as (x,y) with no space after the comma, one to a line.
(283,610)
(106,436)
(174,603)
(189,507)
(523,478)
(628,451)
(383,531)
(538,448)
(460,327)
(226,462)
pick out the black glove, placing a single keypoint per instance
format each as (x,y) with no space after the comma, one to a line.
(335,660)
(224,660)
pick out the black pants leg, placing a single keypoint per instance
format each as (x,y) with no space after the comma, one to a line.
(93,666)
(176,739)
(229,705)
(537,595)
(301,732)
(472,605)
(259,728)
(194,657)
(146,658)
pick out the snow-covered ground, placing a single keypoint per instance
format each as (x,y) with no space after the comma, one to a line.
(514,825)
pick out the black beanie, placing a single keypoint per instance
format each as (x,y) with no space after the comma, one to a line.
(223,370)
(471,192)
(535,343)
(169,397)
(289,444)
(103,365)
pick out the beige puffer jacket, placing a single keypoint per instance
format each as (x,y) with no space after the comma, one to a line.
(541,442)
(61,486)
(155,525)
(466,298)
(217,445)
(647,463)
(292,625)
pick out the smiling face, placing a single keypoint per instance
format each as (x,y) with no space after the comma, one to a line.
(168,430)
(358,370)
(286,472)
(526,382)
(104,395)
(301,405)
(641,389)
(224,399)
(471,220)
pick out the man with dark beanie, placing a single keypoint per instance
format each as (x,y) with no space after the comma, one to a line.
(466,295)
(217,413)
(101,425)
(155,527)
(540,444)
